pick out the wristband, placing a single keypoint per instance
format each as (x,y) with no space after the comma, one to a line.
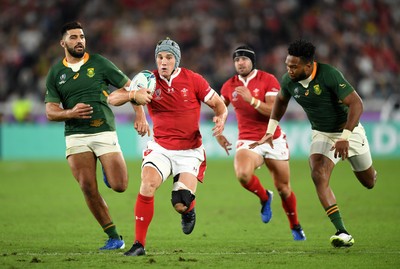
(252,101)
(272,124)
(258,104)
(345,134)
(134,96)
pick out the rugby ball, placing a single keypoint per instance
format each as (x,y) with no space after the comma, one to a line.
(144,79)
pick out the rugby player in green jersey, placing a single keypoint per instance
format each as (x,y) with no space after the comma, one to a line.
(333,108)
(80,83)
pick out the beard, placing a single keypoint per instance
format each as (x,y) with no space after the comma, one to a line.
(244,72)
(76,54)
(300,77)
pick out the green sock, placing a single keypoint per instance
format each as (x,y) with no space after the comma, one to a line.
(334,215)
(111,230)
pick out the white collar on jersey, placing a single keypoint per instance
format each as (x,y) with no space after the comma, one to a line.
(245,82)
(76,66)
(174,75)
(306,82)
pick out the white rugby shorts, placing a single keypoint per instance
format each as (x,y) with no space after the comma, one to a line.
(99,143)
(173,162)
(359,151)
(279,152)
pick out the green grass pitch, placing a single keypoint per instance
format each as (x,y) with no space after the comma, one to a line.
(45,223)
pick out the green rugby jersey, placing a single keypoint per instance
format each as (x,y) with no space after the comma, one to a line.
(90,86)
(321,100)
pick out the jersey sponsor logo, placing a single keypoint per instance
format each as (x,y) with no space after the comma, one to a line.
(90,72)
(76,76)
(307,92)
(317,89)
(96,123)
(63,78)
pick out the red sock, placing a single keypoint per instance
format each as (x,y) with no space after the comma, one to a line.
(290,207)
(144,211)
(255,187)
(192,204)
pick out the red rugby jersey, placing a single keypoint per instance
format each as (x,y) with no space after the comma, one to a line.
(252,124)
(175,109)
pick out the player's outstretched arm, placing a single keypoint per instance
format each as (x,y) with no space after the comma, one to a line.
(140,124)
(267,138)
(278,110)
(118,97)
(122,96)
(221,112)
(224,143)
(341,146)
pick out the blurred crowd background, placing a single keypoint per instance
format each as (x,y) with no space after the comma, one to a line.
(360,37)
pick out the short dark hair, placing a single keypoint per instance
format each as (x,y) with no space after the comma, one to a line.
(70,25)
(303,49)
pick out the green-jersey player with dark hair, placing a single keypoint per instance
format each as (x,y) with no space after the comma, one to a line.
(77,90)
(334,109)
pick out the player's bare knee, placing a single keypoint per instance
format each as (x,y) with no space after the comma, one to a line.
(284,190)
(371,183)
(120,187)
(181,200)
(370,186)
(243,177)
(149,185)
(367,178)
(88,189)
(316,176)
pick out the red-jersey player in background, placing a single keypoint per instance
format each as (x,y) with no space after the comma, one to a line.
(252,93)
(177,148)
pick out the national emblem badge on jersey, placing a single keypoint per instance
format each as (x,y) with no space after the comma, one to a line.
(90,72)
(317,89)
